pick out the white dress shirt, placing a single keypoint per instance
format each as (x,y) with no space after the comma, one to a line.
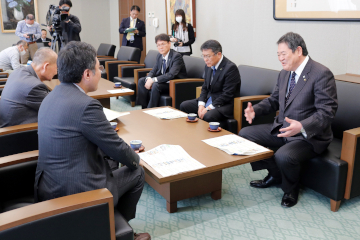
(162,70)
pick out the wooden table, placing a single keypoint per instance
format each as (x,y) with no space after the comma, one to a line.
(153,132)
(101,93)
(348,77)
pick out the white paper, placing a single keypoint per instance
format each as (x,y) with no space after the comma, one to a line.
(166,113)
(170,160)
(120,91)
(111,115)
(235,145)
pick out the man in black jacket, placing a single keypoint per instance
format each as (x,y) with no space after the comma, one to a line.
(71,27)
(169,65)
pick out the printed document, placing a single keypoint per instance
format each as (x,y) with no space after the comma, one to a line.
(120,91)
(166,113)
(111,115)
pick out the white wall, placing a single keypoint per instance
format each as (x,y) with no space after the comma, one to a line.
(248,33)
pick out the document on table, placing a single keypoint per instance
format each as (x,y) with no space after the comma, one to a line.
(111,115)
(120,90)
(170,160)
(235,145)
(166,113)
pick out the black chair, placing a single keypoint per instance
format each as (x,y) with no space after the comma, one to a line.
(106,50)
(126,55)
(18,161)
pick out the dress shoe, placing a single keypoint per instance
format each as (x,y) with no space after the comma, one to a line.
(290,199)
(266,182)
(142,236)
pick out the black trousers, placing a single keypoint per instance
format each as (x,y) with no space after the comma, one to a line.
(287,160)
(132,44)
(150,98)
(191,106)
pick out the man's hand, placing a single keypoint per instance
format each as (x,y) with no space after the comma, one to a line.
(249,113)
(49,44)
(202,111)
(136,31)
(149,83)
(294,128)
(26,36)
(173,39)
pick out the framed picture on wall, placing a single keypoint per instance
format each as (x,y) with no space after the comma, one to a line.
(319,10)
(189,8)
(13,11)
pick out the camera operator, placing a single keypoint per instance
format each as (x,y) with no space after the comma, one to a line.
(28,30)
(71,27)
(183,34)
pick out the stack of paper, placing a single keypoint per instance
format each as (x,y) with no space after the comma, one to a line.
(235,145)
(123,90)
(170,160)
(166,113)
(111,115)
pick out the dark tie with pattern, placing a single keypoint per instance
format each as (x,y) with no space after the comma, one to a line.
(164,66)
(292,85)
(209,101)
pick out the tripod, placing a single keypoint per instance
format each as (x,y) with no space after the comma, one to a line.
(57,38)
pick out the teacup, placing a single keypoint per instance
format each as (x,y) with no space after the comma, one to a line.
(113,124)
(135,144)
(118,84)
(214,125)
(192,116)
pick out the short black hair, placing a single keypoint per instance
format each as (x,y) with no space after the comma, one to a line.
(22,43)
(30,17)
(135,7)
(214,45)
(162,37)
(43,30)
(74,59)
(67,2)
(294,40)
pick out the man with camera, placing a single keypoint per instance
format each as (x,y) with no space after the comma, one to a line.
(28,30)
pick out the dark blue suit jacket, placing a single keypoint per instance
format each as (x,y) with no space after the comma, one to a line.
(140,25)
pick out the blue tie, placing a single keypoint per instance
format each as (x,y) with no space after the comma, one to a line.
(164,66)
(209,101)
(292,85)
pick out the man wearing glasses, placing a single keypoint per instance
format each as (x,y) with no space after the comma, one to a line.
(169,65)
(221,85)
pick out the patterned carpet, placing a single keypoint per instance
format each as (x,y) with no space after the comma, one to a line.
(244,212)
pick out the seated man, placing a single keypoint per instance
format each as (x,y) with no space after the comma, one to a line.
(43,38)
(10,57)
(76,139)
(222,82)
(305,95)
(24,90)
(169,65)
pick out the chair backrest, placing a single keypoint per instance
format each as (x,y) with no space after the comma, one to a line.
(347,116)
(106,49)
(195,66)
(150,59)
(257,81)
(129,54)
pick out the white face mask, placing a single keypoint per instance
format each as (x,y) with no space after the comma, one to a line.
(29,25)
(179,19)
(22,53)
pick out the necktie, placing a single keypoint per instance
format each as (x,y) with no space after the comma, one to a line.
(292,85)
(209,101)
(128,36)
(164,66)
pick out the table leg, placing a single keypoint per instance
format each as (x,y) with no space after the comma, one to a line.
(171,207)
(105,102)
(216,195)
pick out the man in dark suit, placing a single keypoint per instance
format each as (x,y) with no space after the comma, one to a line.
(24,90)
(76,140)
(134,38)
(305,95)
(43,38)
(169,65)
(222,84)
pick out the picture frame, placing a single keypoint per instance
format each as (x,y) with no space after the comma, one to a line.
(190,12)
(320,10)
(13,11)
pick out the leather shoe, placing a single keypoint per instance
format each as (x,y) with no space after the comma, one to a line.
(266,182)
(290,199)
(142,236)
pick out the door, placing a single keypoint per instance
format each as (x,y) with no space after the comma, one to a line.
(124,12)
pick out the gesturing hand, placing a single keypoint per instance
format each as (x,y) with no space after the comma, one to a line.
(294,128)
(249,113)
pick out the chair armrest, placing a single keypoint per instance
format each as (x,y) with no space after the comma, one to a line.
(104,56)
(107,63)
(173,83)
(3,79)
(2,86)
(18,128)
(349,154)
(4,74)
(238,107)
(57,206)
(125,66)
(136,75)
(198,91)
(19,158)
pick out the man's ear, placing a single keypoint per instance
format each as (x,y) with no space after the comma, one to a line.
(86,74)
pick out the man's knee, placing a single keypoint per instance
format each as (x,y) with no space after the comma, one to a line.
(283,158)
(245,132)
(155,86)
(183,106)
(208,117)
(141,81)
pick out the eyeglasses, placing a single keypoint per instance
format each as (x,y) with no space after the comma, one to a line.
(101,68)
(207,56)
(161,45)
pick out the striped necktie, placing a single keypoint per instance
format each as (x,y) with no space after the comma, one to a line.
(292,86)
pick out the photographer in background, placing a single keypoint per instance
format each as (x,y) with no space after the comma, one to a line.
(28,30)
(183,34)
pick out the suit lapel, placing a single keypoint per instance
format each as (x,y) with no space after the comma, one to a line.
(282,91)
(169,59)
(208,74)
(218,71)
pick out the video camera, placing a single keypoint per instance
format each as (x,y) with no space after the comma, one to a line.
(54,16)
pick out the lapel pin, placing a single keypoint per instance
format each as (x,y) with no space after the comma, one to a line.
(220,69)
(305,79)
(304,76)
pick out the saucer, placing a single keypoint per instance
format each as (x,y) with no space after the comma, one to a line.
(118,87)
(217,130)
(142,148)
(196,119)
(116,129)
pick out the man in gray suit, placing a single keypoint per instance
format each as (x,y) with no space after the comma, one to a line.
(305,95)
(76,140)
(24,90)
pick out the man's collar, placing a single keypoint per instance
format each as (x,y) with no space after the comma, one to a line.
(79,88)
(133,19)
(166,56)
(300,69)
(219,62)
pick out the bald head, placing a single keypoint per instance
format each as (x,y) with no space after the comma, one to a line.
(44,63)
